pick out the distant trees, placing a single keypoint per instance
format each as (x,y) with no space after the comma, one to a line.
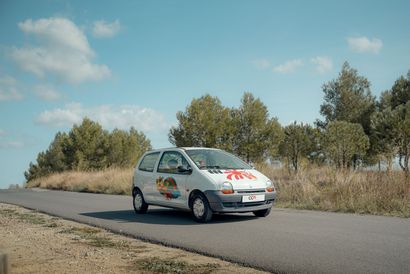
(343,140)
(400,92)
(356,130)
(205,122)
(89,147)
(255,134)
(248,131)
(300,141)
(391,124)
(126,147)
(348,98)
(383,136)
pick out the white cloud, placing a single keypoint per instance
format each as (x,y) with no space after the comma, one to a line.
(364,44)
(47,93)
(63,52)
(123,117)
(103,29)
(9,89)
(261,63)
(4,143)
(323,64)
(11,144)
(288,66)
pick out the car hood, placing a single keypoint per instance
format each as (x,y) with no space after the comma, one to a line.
(239,178)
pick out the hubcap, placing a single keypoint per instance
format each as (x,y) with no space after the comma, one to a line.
(138,201)
(198,208)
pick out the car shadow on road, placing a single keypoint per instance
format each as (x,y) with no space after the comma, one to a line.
(163,217)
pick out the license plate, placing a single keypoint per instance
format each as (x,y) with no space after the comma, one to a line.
(253,198)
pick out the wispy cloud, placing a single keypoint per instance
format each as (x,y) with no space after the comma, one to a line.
(63,52)
(288,66)
(47,92)
(124,117)
(103,29)
(11,144)
(323,63)
(363,44)
(7,143)
(9,89)
(261,63)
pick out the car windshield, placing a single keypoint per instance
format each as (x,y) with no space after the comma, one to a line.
(210,158)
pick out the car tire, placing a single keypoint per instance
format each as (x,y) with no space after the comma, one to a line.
(140,206)
(262,213)
(200,209)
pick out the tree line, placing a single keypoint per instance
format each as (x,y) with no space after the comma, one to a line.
(357,129)
(88,146)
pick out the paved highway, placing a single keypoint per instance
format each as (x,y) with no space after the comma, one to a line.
(287,241)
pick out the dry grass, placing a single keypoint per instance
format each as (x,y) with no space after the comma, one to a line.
(109,181)
(324,188)
(319,188)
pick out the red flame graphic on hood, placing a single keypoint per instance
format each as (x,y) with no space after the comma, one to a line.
(239,175)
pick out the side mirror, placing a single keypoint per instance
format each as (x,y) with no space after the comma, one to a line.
(186,170)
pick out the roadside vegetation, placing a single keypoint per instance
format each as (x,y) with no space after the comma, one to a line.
(314,188)
(345,161)
(338,190)
(46,244)
(108,181)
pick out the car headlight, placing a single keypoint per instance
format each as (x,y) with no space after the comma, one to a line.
(269,186)
(227,188)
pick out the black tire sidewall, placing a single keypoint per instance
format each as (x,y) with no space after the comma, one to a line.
(263,212)
(207,216)
(144,206)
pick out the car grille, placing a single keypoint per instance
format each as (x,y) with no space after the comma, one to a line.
(242,205)
(215,171)
(251,191)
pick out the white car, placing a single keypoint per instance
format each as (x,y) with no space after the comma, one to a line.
(201,180)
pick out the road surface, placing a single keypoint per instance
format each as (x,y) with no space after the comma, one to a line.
(287,241)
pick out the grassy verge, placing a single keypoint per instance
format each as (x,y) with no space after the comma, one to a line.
(316,188)
(324,188)
(110,181)
(46,244)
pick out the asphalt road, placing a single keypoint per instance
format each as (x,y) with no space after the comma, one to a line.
(287,241)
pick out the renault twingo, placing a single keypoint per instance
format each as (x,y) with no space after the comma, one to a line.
(202,180)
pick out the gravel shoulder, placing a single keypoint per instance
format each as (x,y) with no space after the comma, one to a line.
(40,243)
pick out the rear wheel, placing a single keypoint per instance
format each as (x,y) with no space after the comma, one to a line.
(262,213)
(200,209)
(140,206)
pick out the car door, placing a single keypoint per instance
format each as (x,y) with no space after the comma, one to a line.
(171,179)
(146,176)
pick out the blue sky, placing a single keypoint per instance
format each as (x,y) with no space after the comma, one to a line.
(136,63)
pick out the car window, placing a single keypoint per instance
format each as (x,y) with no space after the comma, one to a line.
(210,158)
(148,163)
(170,161)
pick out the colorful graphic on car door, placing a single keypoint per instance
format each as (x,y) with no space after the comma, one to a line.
(168,187)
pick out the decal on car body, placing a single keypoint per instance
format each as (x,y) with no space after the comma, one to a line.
(239,175)
(168,187)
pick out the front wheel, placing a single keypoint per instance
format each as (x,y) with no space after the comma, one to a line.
(200,209)
(262,213)
(140,206)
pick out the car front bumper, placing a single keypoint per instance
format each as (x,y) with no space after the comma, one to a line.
(232,203)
